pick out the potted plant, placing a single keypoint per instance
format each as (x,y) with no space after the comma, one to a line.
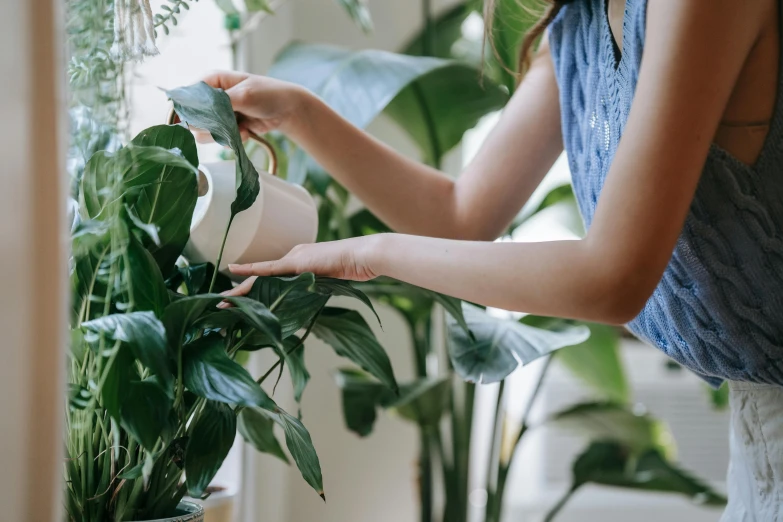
(156,394)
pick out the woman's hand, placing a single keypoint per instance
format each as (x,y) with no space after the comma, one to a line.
(263,104)
(351,259)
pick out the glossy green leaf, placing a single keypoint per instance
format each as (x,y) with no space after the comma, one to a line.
(181,314)
(596,362)
(294,360)
(168,202)
(300,445)
(145,412)
(501,345)
(359,13)
(210,109)
(120,373)
(365,223)
(258,430)
(608,421)
(258,316)
(447,29)
(128,172)
(210,440)
(427,110)
(210,373)
(611,464)
(423,401)
(360,85)
(143,333)
(348,334)
(290,298)
(361,397)
(338,287)
(145,282)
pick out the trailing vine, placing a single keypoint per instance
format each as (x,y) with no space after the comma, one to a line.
(170,12)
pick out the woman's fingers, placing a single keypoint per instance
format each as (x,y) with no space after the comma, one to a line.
(241,289)
(266,268)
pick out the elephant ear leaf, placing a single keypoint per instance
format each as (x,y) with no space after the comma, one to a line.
(210,109)
(493,347)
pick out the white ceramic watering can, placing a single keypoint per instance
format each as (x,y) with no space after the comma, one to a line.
(284,215)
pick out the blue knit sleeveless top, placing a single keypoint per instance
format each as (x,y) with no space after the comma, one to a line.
(718,309)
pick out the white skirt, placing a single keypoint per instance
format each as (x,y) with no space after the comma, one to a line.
(755,477)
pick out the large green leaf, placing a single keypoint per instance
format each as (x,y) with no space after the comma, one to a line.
(596,362)
(500,345)
(258,430)
(611,464)
(291,300)
(210,440)
(608,421)
(145,283)
(169,201)
(181,314)
(210,373)
(258,316)
(120,373)
(294,359)
(339,287)
(129,171)
(299,444)
(423,401)
(447,29)
(143,333)
(361,397)
(145,412)
(348,334)
(420,93)
(210,109)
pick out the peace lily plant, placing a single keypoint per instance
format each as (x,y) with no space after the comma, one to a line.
(156,393)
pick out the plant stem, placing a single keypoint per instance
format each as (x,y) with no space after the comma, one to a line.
(505,467)
(292,350)
(461,426)
(220,256)
(494,455)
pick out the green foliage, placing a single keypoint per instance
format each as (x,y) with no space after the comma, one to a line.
(612,464)
(169,14)
(155,386)
(499,345)
(418,92)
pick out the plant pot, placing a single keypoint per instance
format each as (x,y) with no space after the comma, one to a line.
(219,506)
(186,512)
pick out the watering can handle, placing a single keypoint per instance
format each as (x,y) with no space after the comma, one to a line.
(268,148)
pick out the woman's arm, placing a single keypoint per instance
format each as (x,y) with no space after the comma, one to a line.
(688,71)
(408,196)
(416,199)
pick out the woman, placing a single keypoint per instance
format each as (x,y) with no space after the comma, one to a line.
(672,123)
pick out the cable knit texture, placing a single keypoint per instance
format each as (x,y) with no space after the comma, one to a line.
(718,309)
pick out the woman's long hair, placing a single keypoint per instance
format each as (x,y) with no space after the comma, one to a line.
(552,9)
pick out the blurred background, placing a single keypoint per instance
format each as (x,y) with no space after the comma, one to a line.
(380,476)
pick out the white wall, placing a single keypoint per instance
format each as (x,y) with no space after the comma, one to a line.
(32,262)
